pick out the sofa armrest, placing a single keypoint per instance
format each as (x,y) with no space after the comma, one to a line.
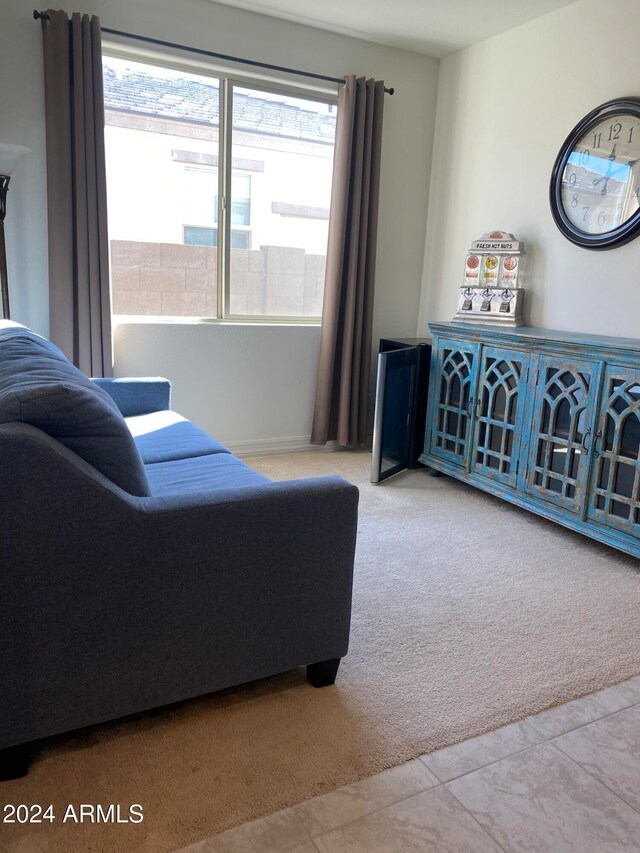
(138,395)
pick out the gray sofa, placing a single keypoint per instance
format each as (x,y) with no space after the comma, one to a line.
(141,563)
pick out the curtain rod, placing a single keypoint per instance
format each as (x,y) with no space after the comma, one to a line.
(45,17)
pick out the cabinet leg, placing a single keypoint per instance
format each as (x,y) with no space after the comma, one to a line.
(14,762)
(433,472)
(324,673)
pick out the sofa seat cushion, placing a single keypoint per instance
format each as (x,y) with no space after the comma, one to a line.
(40,387)
(163,436)
(201,474)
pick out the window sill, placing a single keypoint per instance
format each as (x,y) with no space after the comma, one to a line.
(145,319)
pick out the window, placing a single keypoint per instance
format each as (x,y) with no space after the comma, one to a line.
(241,199)
(208,222)
(198,236)
(195,235)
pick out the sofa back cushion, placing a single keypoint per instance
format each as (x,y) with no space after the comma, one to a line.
(39,386)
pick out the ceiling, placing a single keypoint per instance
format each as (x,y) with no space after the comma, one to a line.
(432,27)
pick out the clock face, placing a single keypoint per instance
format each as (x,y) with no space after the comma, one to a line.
(595,188)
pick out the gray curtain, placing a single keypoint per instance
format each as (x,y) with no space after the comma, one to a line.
(79,297)
(342,390)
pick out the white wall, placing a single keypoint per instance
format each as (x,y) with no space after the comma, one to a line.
(258,399)
(407,141)
(504,108)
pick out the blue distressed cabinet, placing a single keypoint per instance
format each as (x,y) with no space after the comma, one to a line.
(545,419)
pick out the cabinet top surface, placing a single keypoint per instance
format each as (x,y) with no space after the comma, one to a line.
(410,342)
(533,334)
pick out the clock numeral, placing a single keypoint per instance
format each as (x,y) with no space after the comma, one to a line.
(636,193)
(614,131)
(572,179)
(584,157)
(574,200)
(630,134)
(596,140)
(585,215)
(602,217)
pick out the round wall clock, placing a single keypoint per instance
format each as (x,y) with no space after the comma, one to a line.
(595,183)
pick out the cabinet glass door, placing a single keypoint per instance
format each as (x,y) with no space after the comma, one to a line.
(615,483)
(562,430)
(452,400)
(498,414)
(395,402)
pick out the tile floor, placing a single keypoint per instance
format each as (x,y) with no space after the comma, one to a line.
(567,779)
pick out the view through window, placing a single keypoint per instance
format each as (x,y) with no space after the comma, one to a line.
(202,229)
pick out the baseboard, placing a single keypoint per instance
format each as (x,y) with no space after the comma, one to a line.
(268,446)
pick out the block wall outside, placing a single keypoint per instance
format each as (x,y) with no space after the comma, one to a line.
(175,280)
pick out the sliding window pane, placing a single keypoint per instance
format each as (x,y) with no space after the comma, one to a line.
(282,159)
(161,135)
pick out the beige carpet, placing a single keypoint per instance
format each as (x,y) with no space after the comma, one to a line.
(468,614)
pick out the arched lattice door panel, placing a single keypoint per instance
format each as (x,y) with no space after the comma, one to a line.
(453,400)
(615,479)
(498,413)
(562,431)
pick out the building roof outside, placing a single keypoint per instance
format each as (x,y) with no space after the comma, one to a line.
(187,99)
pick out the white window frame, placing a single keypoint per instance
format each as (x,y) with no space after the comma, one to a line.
(227,79)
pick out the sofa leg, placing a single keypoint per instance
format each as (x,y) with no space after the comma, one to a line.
(324,673)
(14,762)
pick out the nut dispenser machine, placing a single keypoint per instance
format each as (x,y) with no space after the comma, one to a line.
(492,291)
